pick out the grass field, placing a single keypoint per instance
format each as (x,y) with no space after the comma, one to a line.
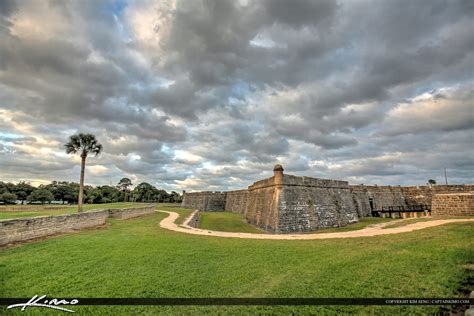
(183,212)
(226,222)
(422,219)
(361,224)
(18,213)
(235,222)
(137,258)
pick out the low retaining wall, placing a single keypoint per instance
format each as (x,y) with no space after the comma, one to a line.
(453,204)
(16,230)
(194,220)
(126,213)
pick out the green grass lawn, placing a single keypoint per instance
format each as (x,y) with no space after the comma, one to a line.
(362,223)
(226,222)
(421,219)
(137,258)
(235,222)
(59,211)
(183,212)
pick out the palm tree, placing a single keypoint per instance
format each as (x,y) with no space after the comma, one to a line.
(83,144)
(123,184)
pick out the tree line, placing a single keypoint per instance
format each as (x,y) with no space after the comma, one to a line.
(68,193)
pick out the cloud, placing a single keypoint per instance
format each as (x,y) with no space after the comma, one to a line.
(211,94)
(446,109)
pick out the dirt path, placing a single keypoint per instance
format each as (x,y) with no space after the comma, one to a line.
(369,231)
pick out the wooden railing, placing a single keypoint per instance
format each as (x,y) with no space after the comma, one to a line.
(403,211)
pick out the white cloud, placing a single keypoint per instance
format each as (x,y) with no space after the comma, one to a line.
(443,109)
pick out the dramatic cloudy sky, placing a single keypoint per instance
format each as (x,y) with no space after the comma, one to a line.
(209,95)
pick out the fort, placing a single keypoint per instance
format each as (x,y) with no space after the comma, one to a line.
(285,203)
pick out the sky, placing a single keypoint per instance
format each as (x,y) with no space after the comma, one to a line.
(210,95)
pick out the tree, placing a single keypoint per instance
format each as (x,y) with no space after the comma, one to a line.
(144,192)
(431,181)
(41,195)
(109,194)
(83,144)
(175,197)
(92,195)
(123,185)
(6,187)
(64,191)
(22,190)
(8,198)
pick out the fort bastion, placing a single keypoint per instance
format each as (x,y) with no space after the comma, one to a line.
(286,203)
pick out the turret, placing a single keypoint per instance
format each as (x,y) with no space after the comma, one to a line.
(278,174)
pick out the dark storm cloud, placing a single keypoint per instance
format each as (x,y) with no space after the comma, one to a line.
(192,91)
(7,8)
(301,12)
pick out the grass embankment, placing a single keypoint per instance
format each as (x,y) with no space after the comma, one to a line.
(40,211)
(226,222)
(137,258)
(361,224)
(235,222)
(421,219)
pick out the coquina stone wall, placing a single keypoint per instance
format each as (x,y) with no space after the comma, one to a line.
(367,198)
(453,204)
(126,213)
(194,220)
(308,204)
(387,196)
(16,230)
(423,194)
(263,204)
(236,201)
(204,201)
(286,203)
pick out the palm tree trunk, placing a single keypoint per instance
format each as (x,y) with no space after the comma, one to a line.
(81,184)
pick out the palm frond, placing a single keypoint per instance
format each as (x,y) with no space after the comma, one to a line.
(84,143)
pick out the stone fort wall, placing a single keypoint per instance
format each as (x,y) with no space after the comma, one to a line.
(453,204)
(424,194)
(308,204)
(204,201)
(262,204)
(385,196)
(236,201)
(286,203)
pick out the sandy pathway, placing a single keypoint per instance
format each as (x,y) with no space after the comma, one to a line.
(369,231)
